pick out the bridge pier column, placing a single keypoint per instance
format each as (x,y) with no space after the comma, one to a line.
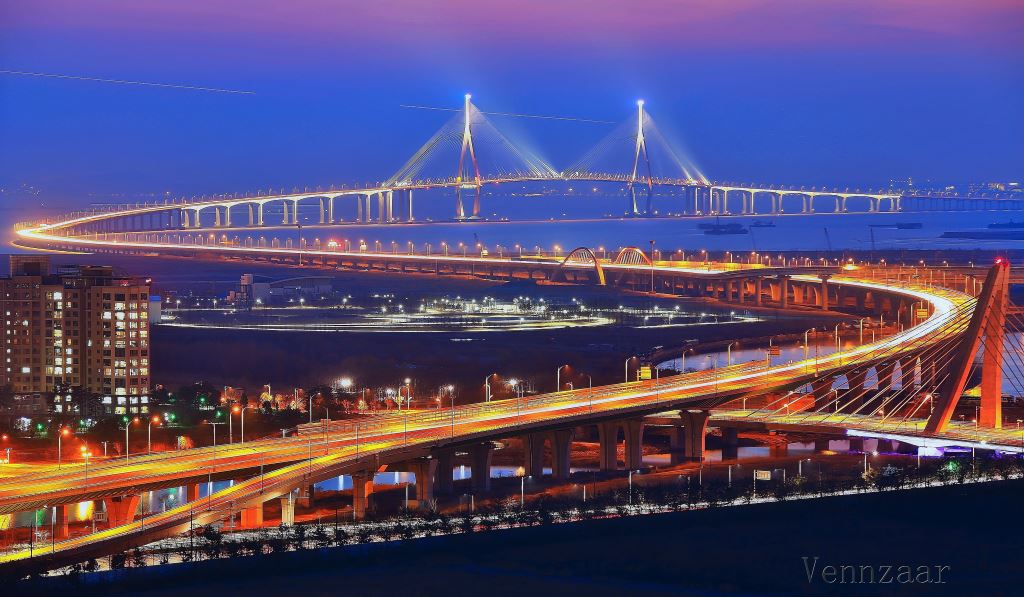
(306,496)
(533,454)
(330,210)
(482,455)
(677,445)
(634,452)
(824,293)
(408,211)
(443,480)
(259,214)
(191,493)
(362,489)
(425,470)
(216,216)
(252,216)
(608,438)
(284,207)
(288,509)
(784,291)
(907,374)
(61,515)
(821,445)
(561,453)
(730,443)
(854,398)
(696,423)
(227,216)
(884,446)
(778,449)
(120,509)
(359,208)
(758,291)
(323,211)
(252,518)
(856,444)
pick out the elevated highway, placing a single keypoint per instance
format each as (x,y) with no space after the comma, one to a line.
(273,468)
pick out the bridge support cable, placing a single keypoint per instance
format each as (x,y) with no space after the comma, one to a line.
(889,351)
(636,153)
(466,152)
(989,314)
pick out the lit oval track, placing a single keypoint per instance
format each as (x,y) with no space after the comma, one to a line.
(277,466)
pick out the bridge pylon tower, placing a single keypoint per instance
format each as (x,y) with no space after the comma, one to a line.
(986,330)
(635,176)
(474,183)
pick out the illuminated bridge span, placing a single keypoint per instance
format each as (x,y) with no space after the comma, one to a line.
(477,154)
(939,337)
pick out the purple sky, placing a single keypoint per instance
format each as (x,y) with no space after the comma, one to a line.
(790,91)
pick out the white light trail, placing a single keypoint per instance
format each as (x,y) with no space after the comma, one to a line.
(126,82)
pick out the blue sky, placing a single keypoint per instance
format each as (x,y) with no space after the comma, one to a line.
(791,91)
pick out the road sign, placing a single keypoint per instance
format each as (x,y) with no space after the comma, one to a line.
(774,351)
(645,372)
(762,475)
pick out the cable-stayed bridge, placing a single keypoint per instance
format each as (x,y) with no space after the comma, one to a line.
(469,153)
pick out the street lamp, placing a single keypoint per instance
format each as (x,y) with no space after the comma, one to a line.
(86,454)
(128,424)
(408,393)
(487,387)
(60,435)
(149,433)
(626,380)
(728,353)
(558,378)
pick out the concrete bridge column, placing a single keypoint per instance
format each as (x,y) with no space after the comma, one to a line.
(886,373)
(561,453)
(821,444)
(252,215)
(730,443)
(908,376)
(533,451)
(288,509)
(306,495)
(367,211)
(330,209)
(120,509)
(677,445)
(634,444)
(408,213)
(252,518)
(696,423)
(259,214)
(443,479)
(284,206)
(608,437)
(854,399)
(61,515)
(824,293)
(362,489)
(884,446)
(227,216)
(778,449)
(758,289)
(391,206)
(856,444)
(295,212)
(216,217)
(821,389)
(323,211)
(359,208)
(784,291)
(482,455)
(191,493)
(425,470)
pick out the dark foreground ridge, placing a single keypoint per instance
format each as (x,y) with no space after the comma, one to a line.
(750,550)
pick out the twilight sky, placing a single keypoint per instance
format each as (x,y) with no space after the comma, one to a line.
(790,91)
